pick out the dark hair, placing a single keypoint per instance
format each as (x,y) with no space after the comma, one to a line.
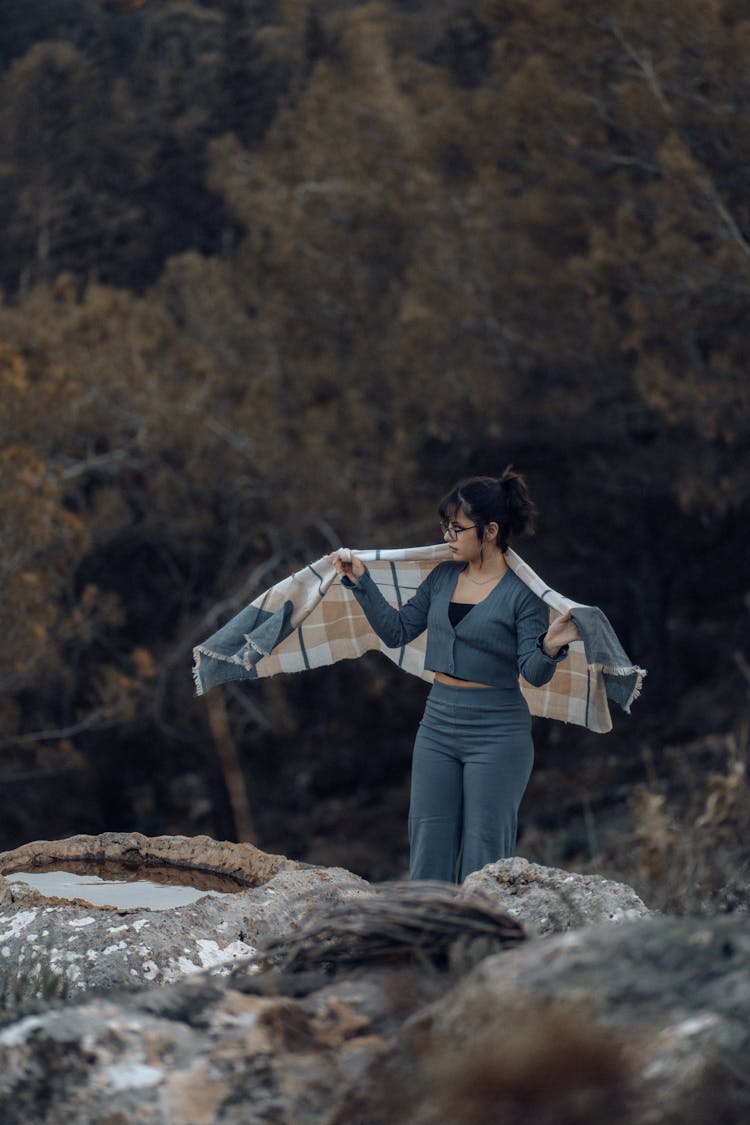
(503,500)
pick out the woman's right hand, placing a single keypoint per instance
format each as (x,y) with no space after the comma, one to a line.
(348,567)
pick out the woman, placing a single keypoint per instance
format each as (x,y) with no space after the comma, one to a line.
(473,751)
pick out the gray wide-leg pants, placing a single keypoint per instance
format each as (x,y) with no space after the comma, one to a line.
(472,761)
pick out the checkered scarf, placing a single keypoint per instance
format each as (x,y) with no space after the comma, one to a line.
(309,620)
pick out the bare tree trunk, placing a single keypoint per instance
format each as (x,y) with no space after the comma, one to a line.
(651,605)
(231,770)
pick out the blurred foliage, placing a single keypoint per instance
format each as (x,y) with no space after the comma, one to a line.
(276,275)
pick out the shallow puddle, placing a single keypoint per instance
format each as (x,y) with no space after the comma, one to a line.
(124,888)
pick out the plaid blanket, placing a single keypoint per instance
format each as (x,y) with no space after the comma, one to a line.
(309,620)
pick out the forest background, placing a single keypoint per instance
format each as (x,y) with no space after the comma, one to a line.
(275,275)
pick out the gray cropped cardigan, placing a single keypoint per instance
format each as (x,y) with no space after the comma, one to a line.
(496,640)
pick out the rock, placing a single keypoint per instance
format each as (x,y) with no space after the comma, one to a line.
(547,900)
(51,948)
(644,1023)
(350,1038)
(243,862)
(196,1053)
(54,949)
(648,1021)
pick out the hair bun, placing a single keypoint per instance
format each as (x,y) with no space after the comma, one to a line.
(503,500)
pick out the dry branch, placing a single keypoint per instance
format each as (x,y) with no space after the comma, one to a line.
(434,923)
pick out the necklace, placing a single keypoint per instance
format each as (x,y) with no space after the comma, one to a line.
(484,581)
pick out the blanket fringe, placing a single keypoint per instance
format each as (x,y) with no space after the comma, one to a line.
(196,671)
(201,650)
(216,655)
(621,669)
(625,670)
(640,674)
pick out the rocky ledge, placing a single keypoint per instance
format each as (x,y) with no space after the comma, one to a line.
(55,948)
(528,995)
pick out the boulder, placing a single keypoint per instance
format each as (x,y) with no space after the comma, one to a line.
(51,948)
(310,996)
(643,1023)
(646,1023)
(547,900)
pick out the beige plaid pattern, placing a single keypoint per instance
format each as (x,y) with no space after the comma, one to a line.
(328,623)
(576,693)
(329,626)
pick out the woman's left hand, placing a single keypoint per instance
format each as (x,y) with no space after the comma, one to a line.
(561,632)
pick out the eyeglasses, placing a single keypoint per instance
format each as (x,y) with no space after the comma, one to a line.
(453,530)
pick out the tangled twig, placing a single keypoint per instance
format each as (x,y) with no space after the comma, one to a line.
(431,922)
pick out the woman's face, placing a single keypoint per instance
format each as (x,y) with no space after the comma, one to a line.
(466,545)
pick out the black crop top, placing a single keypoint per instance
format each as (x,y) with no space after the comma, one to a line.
(457,611)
